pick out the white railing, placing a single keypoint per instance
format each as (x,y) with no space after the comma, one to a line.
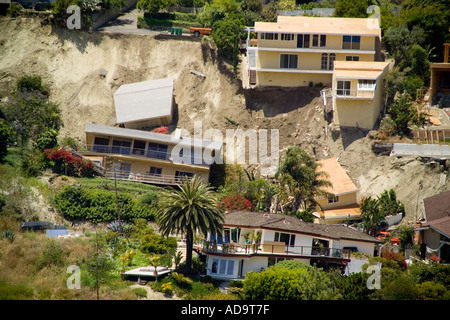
(354,94)
(138,152)
(146,178)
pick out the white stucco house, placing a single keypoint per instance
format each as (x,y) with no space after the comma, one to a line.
(233,253)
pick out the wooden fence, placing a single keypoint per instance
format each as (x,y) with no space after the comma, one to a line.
(432,136)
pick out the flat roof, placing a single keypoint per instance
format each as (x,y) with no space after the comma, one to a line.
(342,184)
(144,100)
(371,70)
(149,136)
(352,211)
(322,25)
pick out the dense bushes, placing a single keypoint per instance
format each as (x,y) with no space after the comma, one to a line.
(290,280)
(96,205)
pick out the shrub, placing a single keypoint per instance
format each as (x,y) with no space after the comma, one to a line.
(66,163)
(53,254)
(140,292)
(167,288)
(97,205)
(236,202)
(280,283)
(353,287)
(163,130)
(15,291)
(433,291)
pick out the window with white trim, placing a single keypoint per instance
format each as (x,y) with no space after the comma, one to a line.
(368,85)
(269,36)
(331,61)
(343,88)
(288,61)
(287,36)
(351,58)
(333,199)
(324,62)
(222,266)
(351,42)
(303,40)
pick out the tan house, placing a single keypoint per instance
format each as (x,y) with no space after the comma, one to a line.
(342,202)
(143,105)
(300,51)
(143,156)
(358,93)
(440,80)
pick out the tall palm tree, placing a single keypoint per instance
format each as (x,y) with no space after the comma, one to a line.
(300,178)
(189,210)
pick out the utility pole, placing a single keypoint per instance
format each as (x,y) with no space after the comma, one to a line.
(117,201)
(96,262)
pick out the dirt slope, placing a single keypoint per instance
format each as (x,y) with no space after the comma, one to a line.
(83,70)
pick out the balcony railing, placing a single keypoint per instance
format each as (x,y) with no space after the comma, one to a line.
(272,248)
(354,94)
(146,178)
(153,154)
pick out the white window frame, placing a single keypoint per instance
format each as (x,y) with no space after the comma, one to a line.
(344,91)
(287,37)
(333,199)
(223,266)
(324,61)
(263,35)
(352,58)
(289,61)
(367,85)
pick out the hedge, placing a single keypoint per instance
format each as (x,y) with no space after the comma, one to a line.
(78,203)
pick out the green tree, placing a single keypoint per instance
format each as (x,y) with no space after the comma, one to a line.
(152,7)
(31,114)
(189,210)
(351,9)
(300,178)
(371,216)
(400,112)
(226,34)
(400,39)
(388,203)
(6,134)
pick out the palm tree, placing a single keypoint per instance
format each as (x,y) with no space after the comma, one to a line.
(190,209)
(299,177)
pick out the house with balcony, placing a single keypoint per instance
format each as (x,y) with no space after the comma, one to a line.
(341,203)
(149,157)
(358,93)
(252,241)
(143,105)
(300,51)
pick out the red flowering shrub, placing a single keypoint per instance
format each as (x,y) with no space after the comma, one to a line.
(236,202)
(66,163)
(163,130)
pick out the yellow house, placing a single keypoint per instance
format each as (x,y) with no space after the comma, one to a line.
(358,93)
(300,51)
(136,155)
(342,202)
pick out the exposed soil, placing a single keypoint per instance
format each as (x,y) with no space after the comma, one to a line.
(73,64)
